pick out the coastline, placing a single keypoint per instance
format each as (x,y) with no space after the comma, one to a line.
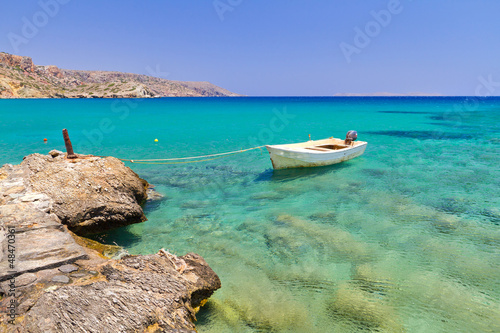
(21,78)
(53,279)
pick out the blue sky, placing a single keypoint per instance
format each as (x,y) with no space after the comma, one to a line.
(270,48)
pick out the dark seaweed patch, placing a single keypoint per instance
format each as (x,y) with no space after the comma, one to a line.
(377,173)
(456,126)
(324,217)
(424,135)
(439,117)
(456,115)
(452,206)
(406,112)
(492,216)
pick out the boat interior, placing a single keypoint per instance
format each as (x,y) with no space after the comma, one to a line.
(327,147)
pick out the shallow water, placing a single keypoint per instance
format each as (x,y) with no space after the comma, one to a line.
(403,238)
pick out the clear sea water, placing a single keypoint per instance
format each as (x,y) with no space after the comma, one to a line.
(405,238)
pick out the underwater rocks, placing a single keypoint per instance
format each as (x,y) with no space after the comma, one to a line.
(52,280)
(367,310)
(333,240)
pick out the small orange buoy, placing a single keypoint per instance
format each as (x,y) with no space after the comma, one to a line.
(156,140)
(45,140)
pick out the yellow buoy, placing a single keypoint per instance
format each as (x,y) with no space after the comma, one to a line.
(156,140)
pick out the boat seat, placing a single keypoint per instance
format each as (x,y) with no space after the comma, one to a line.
(317,148)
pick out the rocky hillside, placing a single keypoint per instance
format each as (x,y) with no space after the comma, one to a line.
(20,78)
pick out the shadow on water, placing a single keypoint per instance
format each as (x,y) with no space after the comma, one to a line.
(118,236)
(456,126)
(296,173)
(448,116)
(375,173)
(424,135)
(152,205)
(407,112)
(204,316)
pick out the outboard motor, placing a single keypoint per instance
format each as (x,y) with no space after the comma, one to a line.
(350,137)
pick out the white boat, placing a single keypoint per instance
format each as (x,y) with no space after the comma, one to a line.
(314,153)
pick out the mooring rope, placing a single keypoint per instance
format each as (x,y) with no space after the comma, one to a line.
(169,160)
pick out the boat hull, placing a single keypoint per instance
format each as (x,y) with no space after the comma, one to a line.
(304,155)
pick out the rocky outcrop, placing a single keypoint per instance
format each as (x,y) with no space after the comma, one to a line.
(54,71)
(206,88)
(154,293)
(52,280)
(24,63)
(89,194)
(20,78)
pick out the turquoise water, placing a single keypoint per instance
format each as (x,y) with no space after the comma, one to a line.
(403,238)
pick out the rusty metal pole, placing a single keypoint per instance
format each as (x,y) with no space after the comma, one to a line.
(69,146)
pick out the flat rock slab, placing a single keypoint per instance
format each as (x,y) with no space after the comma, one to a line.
(135,294)
(25,279)
(39,249)
(68,268)
(39,241)
(60,279)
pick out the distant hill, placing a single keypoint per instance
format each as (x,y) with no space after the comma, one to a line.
(20,78)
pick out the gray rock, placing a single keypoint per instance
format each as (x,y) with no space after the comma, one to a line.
(40,241)
(78,275)
(55,153)
(60,279)
(163,294)
(16,195)
(109,194)
(68,268)
(25,279)
(42,205)
(14,182)
(153,195)
(34,197)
